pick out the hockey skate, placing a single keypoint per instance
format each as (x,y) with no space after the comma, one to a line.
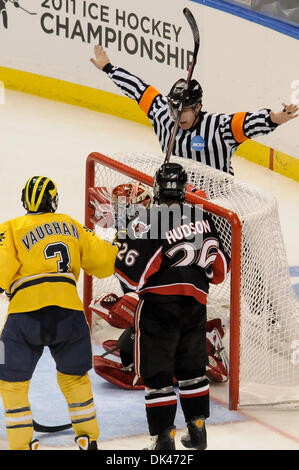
(164,440)
(85,443)
(34,444)
(196,437)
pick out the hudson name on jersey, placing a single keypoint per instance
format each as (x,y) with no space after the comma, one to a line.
(172,251)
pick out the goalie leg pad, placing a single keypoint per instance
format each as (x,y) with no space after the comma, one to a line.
(111,346)
(124,310)
(116,374)
(215,323)
(217,369)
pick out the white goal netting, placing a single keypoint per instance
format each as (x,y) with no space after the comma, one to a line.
(269,317)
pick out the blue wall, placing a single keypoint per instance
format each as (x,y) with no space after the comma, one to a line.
(254,16)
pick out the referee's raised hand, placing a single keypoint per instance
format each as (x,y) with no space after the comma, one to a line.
(290,111)
(101,59)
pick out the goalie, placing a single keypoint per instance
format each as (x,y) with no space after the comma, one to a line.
(125,199)
(119,312)
(114,209)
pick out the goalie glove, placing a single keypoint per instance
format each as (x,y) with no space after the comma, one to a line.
(117,311)
(101,212)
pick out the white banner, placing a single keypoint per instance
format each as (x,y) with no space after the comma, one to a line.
(55,38)
(242,66)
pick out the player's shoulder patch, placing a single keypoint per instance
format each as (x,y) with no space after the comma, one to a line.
(139,228)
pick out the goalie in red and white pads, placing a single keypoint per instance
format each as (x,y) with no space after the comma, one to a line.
(115,208)
(119,313)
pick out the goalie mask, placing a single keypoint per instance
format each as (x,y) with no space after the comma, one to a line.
(170,182)
(193,96)
(129,195)
(40,195)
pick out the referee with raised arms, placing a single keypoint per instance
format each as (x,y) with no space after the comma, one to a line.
(208,138)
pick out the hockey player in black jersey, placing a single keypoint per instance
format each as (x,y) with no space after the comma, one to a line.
(208,138)
(169,255)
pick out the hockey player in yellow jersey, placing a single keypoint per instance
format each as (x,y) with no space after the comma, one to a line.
(41,254)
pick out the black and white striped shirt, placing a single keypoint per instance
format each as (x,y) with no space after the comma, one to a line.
(212,141)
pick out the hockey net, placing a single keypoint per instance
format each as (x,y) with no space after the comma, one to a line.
(256,302)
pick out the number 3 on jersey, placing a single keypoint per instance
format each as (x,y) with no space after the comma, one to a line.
(59,249)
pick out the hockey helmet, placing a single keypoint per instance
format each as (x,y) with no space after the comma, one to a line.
(40,195)
(170,181)
(132,194)
(193,95)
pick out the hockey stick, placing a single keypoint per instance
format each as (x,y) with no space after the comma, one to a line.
(19,6)
(191,20)
(42,428)
(110,351)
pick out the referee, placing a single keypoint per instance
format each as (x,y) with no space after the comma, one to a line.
(211,139)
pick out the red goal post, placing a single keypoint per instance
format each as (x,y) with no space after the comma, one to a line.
(236,230)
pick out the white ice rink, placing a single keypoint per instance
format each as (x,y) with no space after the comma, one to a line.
(53,139)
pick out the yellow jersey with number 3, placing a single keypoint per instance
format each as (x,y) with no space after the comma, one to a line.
(40,260)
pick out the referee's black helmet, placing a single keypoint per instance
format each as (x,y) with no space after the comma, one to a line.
(193,95)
